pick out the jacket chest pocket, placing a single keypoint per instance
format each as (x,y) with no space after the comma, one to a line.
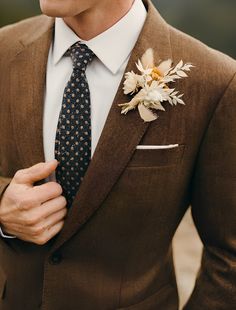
(157,157)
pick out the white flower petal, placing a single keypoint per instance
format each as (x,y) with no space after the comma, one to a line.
(147,59)
(131,82)
(165,66)
(144,71)
(146,114)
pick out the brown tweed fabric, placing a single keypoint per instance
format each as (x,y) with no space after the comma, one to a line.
(115,249)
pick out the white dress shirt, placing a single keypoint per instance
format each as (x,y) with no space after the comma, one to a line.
(112,49)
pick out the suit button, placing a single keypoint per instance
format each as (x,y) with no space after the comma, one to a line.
(55,258)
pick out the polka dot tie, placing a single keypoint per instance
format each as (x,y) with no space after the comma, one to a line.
(73,136)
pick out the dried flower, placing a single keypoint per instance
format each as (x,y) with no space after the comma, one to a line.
(151,86)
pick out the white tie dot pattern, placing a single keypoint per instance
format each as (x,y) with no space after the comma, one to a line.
(73,137)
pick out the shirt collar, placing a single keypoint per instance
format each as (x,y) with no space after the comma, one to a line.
(113,46)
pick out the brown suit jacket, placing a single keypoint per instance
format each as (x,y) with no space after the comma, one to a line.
(114,251)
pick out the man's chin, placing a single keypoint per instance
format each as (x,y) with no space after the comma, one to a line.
(53,10)
(53,13)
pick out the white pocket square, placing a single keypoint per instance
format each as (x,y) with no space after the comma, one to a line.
(156,147)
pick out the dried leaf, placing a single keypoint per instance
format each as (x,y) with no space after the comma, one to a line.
(176,77)
(165,66)
(187,67)
(148,59)
(146,114)
(167,79)
(128,106)
(179,65)
(174,101)
(158,106)
(182,73)
(180,101)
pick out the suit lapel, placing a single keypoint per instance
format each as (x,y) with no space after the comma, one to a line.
(27,74)
(119,137)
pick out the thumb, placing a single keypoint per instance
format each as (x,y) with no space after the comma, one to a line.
(35,173)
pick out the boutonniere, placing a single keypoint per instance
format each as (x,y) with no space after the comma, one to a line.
(150,87)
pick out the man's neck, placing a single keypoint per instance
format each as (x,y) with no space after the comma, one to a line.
(94,21)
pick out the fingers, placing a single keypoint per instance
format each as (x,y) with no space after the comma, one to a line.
(48,228)
(33,213)
(44,237)
(51,232)
(46,191)
(35,173)
(53,219)
(32,198)
(48,208)
(32,217)
(38,229)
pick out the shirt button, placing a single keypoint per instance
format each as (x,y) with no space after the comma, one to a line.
(55,258)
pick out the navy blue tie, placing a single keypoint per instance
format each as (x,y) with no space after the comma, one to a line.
(73,136)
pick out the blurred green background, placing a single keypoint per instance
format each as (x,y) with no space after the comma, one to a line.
(212,21)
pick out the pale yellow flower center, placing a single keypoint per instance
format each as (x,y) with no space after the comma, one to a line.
(156,74)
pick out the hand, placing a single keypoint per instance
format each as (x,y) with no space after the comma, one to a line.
(33,213)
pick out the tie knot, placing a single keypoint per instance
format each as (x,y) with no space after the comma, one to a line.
(81,56)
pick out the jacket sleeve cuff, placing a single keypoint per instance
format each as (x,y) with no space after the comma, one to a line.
(3,185)
(3,235)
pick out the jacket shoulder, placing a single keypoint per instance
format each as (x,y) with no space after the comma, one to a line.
(24,31)
(19,29)
(211,66)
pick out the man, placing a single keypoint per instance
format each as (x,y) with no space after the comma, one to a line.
(60,99)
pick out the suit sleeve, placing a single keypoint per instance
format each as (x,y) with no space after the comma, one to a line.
(214,209)
(4,182)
